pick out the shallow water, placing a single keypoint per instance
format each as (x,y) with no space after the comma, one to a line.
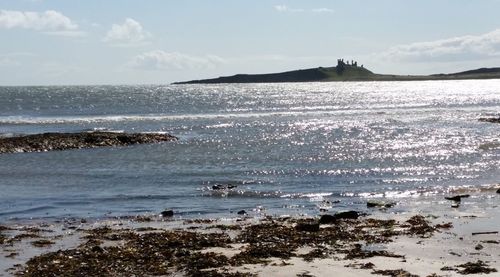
(289,148)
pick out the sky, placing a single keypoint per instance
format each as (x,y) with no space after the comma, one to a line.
(87,42)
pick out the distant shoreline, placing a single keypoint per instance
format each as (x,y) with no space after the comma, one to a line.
(344,73)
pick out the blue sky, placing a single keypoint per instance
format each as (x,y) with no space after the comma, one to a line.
(47,42)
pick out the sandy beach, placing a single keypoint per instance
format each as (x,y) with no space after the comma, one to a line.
(249,139)
(428,239)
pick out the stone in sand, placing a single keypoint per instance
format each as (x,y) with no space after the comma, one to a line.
(242,212)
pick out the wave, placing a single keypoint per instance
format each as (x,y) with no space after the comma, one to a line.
(21,120)
(291,111)
(428,191)
(28,211)
(123,197)
(242,193)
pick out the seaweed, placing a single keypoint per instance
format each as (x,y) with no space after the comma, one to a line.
(419,226)
(162,252)
(319,252)
(394,273)
(357,252)
(42,243)
(471,268)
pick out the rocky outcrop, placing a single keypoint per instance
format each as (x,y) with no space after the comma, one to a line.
(64,141)
(490,119)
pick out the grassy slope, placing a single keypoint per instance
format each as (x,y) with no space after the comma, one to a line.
(350,73)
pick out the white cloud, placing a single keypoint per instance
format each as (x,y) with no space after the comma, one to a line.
(281,8)
(7,61)
(471,47)
(322,10)
(161,60)
(50,22)
(285,8)
(130,33)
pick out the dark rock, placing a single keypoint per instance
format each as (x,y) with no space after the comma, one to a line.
(97,249)
(307,227)
(498,190)
(242,212)
(457,198)
(347,215)
(490,119)
(380,204)
(223,187)
(479,247)
(327,219)
(65,141)
(330,219)
(167,213)
(217,187)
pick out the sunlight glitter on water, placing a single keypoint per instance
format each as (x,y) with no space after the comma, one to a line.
(283,145)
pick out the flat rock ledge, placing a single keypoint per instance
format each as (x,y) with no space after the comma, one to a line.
(490,119)
(65,141)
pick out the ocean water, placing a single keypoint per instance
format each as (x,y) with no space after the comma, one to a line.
(292,148)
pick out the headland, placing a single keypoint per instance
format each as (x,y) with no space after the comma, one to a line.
(344,71)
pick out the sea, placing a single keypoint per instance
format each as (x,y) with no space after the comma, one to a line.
(284,149)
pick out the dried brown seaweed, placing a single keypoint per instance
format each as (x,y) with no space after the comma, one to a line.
(158,252)
(477,267)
